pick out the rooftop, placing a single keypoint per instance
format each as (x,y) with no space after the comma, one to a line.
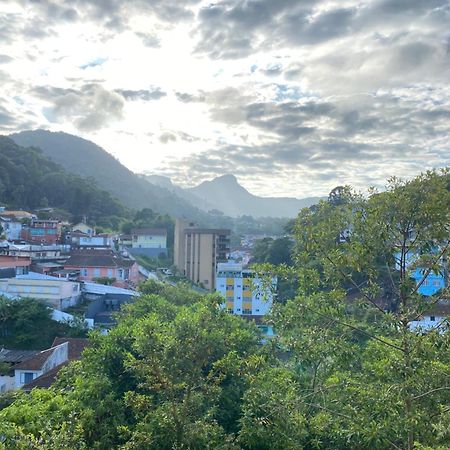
(149,231)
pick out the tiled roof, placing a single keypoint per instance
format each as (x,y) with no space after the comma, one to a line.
(76,346)
(149,231)
(35,362)
(15,356)
(97,258)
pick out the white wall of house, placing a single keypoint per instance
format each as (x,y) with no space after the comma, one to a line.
(57,356)
(428,323)
(6,383)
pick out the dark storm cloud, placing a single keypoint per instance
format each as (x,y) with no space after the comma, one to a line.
(142,94)
(90,107)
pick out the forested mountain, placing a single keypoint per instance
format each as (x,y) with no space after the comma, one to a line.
(86,159)
(30,180)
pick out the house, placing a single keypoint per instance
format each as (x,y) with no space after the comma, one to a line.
(56,292)
(41,369)
(148,241)
(35,252)
(9,359)
(45,232)
(437,317)
(83,228)
(94,264)
(19,264)
(97,241)
(19,215)
(11,228)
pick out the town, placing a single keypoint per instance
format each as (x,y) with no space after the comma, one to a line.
(65,265)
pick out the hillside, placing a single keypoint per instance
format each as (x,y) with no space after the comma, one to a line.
(87,159)
(227,195)
(30,180)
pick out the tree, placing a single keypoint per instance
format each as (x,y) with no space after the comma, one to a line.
(372,381)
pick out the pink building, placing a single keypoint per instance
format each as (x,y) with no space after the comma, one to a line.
(103,263)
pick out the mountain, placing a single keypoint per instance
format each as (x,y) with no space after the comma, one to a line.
(228,196)
(87,159)
(28,179)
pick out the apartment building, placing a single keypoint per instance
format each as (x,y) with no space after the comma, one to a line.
(198,251)
(244,292)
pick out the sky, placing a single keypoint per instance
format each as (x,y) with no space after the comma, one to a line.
(294,97)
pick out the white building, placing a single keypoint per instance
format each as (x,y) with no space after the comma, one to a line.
(245,294)
(11,228)
(56,292)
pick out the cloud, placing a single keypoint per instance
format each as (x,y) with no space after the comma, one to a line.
(167,137)
(89,108)
(142,94)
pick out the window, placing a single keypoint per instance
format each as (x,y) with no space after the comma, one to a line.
(246,311)
(96,272)
(26,377)
(432,318)
(84,272)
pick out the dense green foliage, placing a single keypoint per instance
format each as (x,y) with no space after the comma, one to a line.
(345,370)
(27,324)
(29,180)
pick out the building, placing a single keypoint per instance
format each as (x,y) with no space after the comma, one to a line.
(83,228)
(9,359)
(244,292)
(11,228)
(41,369)
(35,252)
(148,241)
(435,318)
(55,292)
(197,251)
(18,215)
(20,265)
(103,264)
(92,241)
(45,232)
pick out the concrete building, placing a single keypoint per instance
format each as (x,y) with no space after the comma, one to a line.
(42,231)
(56,292)
(243,291)
(148,241)
(11,228)
(20,265)
(103,263)
(198,251)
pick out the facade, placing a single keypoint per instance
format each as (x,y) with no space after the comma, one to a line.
(82,240)
(149,238)
(436,318)
(11,228)
(20,264)
(198,251)
(56,292)
(103,263)
(35,252)
(42,232)
(433,283)
(244,292)
(11,358)
(83,228)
